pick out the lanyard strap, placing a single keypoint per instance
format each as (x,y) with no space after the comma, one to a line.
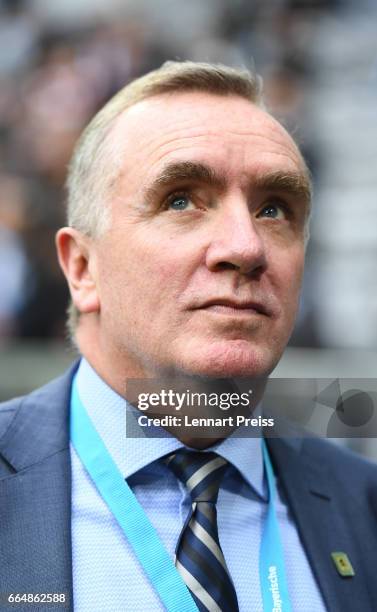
(145,540)
(131,517)
(271,560)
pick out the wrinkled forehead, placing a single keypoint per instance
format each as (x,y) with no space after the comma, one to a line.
(179,123)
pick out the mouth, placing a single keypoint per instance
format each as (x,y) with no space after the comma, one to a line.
(231,307)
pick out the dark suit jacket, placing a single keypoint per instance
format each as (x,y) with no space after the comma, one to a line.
(332,495)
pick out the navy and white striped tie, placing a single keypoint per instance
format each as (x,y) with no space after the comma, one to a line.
(199,558)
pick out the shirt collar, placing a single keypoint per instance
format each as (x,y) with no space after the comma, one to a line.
(107,411)
(245,454)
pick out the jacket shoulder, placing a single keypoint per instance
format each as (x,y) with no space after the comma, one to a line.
(347,466)
(45,395)
(336,453)
(8,410)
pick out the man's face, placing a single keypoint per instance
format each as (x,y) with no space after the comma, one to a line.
(200,270)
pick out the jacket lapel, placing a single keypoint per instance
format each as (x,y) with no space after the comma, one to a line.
(311,493)
(35,510)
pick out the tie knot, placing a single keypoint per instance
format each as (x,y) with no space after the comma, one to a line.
(200,472)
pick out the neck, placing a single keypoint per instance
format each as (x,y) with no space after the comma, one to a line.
(203,411)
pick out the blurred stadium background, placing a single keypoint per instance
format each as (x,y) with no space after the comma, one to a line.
(60,61)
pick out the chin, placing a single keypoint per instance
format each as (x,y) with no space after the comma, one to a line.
(230,359)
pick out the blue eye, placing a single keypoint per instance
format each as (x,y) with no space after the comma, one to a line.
(179,202)
(273,211)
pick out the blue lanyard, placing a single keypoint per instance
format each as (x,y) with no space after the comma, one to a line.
(271,560)
(145,540)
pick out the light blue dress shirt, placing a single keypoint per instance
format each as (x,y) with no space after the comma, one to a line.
(106,575)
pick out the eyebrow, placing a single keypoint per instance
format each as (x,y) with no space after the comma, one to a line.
(296,183)
(185,171)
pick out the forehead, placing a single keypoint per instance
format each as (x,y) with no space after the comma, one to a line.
(230,133)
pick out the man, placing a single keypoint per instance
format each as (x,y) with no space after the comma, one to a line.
(188,210)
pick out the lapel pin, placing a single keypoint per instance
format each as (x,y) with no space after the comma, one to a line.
(343,564)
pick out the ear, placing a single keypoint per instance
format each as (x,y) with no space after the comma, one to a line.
(77,260)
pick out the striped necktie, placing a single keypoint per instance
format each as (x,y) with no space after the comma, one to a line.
(199,558)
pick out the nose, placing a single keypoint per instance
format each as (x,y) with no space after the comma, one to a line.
(236,243)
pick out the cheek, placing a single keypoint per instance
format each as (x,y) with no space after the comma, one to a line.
(153,284)
(169,266)
(292,298)
(161,268)
(289,274)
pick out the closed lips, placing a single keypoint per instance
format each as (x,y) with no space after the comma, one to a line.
(236,305)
